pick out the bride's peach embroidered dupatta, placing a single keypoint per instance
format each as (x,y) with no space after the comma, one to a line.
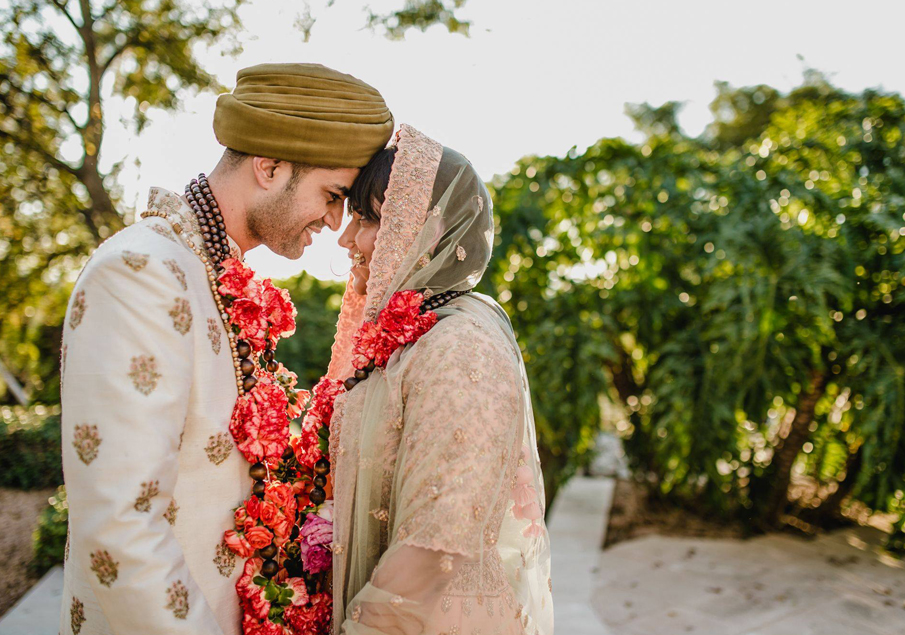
(438,524)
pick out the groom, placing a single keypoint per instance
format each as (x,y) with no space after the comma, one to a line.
(148,377)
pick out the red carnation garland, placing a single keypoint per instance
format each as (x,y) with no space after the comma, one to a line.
(284,530)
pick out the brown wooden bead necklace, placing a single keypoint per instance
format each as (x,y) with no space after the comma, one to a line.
(207,211)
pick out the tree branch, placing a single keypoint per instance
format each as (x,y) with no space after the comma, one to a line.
(41,98)
(105,12)
(47,156)
(61,5)
(130,41)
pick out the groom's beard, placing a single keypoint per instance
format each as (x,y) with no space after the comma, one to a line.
(273,224)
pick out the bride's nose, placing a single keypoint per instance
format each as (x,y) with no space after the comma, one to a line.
(347,238)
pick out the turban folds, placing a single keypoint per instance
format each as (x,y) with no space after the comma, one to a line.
(304,113)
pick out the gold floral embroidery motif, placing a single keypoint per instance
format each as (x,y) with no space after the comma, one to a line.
(424,261)
(436,211)
(459,435)
(178,600)
(105,567)
(380,514)
(163,230)
(135,262)
(225,560)
(446,604)
(397,600)
(177,271)
(460,253)
(148,491)
(85,440)
(475,376)
(446,563)
(356,613)
(144,373)
(77,311)
(213,334)
(182,316)
(76,615)
(218,448)
(170,513)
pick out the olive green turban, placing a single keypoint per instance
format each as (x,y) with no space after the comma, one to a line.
(305,113)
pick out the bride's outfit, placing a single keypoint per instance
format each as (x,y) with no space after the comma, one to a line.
(439,496)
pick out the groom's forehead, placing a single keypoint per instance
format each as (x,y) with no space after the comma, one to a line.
(339,179)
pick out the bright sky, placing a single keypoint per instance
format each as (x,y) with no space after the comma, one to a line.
(535,77)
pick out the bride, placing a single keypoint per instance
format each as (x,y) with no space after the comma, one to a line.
(439,496)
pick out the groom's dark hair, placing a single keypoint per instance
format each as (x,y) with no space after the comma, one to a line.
(232,159)
(368,192)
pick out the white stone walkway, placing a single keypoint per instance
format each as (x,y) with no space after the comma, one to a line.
(838,584)
(577,527)
(38,612)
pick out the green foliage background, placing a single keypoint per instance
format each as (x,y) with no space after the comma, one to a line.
(739,295)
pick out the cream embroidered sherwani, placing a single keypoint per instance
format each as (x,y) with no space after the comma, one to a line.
(151,472)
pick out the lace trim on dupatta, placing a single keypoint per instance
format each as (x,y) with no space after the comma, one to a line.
(350,319)
(404,210)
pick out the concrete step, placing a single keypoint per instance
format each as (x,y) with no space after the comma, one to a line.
(38,612)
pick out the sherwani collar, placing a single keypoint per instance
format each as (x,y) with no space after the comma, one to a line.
(161,199)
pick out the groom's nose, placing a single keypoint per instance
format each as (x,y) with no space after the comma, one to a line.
(334,219)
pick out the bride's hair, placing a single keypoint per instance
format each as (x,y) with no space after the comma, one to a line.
(368,192)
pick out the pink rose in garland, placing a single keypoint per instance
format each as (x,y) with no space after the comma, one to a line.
(259,423)
(314,537)
(238,544)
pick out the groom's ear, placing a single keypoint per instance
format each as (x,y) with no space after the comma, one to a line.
(267,172)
